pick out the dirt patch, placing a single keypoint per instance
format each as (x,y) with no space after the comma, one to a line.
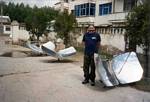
(21,54)
(15,54)
(7,54)
(58,61)
(143,85)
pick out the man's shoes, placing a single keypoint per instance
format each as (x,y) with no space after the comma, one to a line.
(85,82)
(92,83)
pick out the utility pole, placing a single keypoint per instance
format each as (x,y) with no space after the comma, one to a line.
(1,17)
(2,8)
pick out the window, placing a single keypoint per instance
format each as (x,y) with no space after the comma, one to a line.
(87,9)
(92,9)
(83,10)
(7,28)
(77,10)
(1,29)
(72,12)
(105,9)
(129,4)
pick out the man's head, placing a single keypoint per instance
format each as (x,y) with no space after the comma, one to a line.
(91,28)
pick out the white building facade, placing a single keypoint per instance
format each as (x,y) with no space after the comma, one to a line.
(108,16)
(5,25)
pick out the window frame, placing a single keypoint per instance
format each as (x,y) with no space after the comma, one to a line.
(86,9)
(7,28)
(105,9)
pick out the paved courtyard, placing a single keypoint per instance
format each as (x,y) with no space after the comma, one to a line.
(42,79)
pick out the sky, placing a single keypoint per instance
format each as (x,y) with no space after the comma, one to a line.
(38,3)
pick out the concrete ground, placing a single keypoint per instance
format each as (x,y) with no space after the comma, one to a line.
(43,79)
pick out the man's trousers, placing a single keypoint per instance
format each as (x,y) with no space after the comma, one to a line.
(89,67)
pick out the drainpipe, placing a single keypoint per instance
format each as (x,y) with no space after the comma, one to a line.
(147,74)
(113,3)
(89,6)
(148,62)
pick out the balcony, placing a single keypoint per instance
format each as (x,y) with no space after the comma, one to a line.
(85,21)
(111,19)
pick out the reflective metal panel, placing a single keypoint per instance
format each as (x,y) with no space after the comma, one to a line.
(34,48)
(49,48)
(127,68)
(103,71)
(50,45)
(49,51)
(124,68)
(67,52)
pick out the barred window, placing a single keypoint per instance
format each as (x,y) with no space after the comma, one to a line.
(7,28)
(105,9)
(87,9)
(129,4)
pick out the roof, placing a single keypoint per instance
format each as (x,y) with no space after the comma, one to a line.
(58,3)
(15,23)
(5,19)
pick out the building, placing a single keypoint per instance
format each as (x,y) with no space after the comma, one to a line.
(5,25)
(18,32)
(62,5)
(108,16)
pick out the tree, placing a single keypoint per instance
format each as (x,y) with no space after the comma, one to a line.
(64,24)
(138,31)
(36,19)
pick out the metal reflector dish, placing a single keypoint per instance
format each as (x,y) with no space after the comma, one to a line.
(67,52)
(50,45)
(49,48)
(103,69)
(127,68)
(34,48)
(124,68)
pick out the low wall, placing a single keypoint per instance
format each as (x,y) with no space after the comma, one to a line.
(23,35)
(115,40)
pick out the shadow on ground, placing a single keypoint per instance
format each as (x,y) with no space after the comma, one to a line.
(58,61)
(20,54)
(7,54)
(100,87)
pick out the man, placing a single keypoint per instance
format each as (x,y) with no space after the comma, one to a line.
(91,41)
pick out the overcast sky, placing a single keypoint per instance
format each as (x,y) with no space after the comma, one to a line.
(39,3)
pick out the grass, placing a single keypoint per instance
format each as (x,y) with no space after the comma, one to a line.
(102,53)
(143,85)
(106,55)
(79,49)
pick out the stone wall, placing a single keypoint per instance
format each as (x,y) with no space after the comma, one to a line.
(17,33)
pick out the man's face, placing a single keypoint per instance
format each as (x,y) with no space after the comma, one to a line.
(91,29)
